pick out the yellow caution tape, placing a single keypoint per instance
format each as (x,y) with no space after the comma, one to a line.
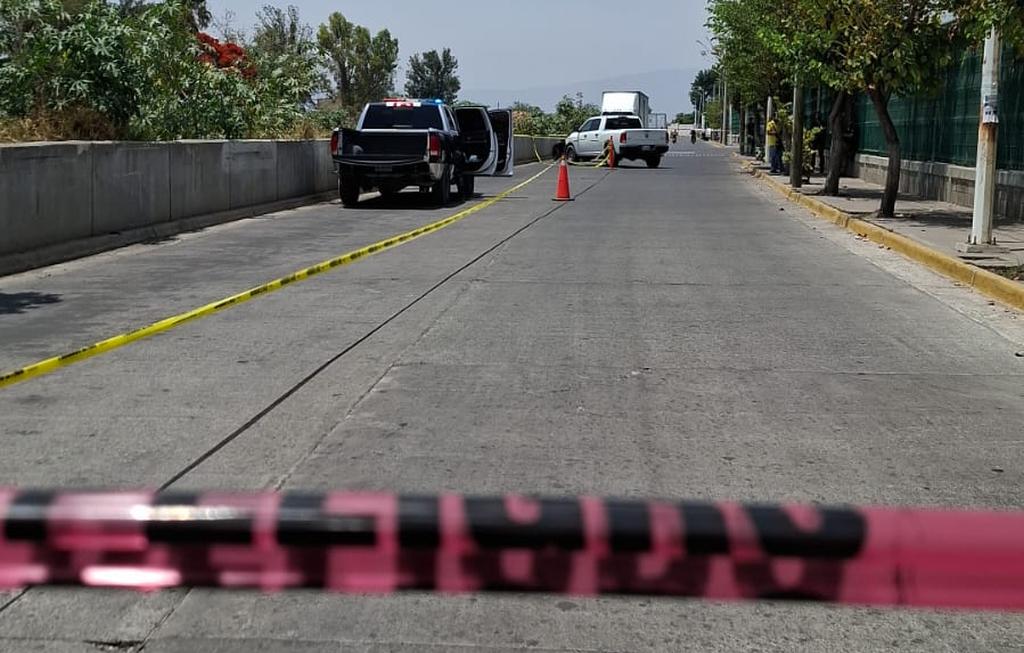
(597,164)
(166,324)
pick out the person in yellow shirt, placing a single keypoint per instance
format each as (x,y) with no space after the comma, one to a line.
(774,150)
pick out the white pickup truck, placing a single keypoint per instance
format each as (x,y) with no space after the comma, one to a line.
(630,139)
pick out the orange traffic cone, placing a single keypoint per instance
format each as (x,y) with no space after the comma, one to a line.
(611,153)
(562,193)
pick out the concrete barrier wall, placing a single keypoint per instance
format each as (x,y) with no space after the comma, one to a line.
(65,200)
(946,182)
(45,195)
(524,148)
(62,200)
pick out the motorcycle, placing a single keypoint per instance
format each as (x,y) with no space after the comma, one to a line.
(693,137)
(675,137)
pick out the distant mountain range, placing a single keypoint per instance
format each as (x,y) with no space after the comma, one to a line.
(669,91)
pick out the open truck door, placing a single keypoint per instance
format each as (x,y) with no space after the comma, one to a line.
(479,142)
(501,121)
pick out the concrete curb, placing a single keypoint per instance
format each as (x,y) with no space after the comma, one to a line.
(999,288)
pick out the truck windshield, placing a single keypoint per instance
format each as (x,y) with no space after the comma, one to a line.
(379,116)
(625,122)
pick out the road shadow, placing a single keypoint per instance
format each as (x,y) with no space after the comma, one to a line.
(629,165)
(409,201)
(21,302)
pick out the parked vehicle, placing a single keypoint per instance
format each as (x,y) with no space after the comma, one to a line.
(627,103)
(630,140)
(399,143)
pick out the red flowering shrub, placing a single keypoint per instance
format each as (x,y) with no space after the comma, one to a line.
(224,55)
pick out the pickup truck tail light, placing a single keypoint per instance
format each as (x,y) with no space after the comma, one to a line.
(622,137)
(434,147)
(335,142)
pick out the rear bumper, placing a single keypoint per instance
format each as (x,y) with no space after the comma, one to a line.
(641,151)
(392,173)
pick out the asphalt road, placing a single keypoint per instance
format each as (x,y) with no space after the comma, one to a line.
(672,332)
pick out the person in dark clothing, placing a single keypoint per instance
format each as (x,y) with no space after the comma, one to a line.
(819,145)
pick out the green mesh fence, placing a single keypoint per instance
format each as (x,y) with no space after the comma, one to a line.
(943,126)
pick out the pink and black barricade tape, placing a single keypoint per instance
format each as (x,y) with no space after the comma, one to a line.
(372,543)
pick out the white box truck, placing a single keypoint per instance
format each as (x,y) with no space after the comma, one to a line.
(629,103)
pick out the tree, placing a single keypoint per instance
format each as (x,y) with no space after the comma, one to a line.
(570,113)
(743,30)
(714,113)
(433,75)
(975,18)
(59,62)
(703,85)
(363,66)
(283,50)
(197,13)
(531,109)
(376,60)
(880,48)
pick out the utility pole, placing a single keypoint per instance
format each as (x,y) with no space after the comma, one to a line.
(796,157)
(726,118)
(981,239)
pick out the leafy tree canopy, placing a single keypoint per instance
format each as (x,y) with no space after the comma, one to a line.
(434,75)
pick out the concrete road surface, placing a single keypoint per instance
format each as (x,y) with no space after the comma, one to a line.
(676,332)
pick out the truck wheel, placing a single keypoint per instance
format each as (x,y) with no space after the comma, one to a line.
(443,188)
(467,186)
(570,153)
(348,190)
(653,161)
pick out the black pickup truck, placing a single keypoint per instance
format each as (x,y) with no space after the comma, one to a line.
(422,143)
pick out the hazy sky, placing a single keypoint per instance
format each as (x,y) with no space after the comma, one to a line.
(518,45)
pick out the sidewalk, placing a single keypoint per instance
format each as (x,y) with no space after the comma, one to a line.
(938,225)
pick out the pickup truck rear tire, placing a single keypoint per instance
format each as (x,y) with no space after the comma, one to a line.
(443,189)
(653,161)
(348,190)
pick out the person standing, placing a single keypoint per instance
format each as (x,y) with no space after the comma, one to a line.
(819,144)
(774,151)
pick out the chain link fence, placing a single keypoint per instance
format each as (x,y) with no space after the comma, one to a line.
(943,126)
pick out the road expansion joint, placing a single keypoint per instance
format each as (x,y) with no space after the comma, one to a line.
(295,388)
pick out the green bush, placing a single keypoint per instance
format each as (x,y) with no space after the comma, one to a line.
(143,73)
(569,114)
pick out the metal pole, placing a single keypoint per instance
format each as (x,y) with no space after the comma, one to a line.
(726,118)
(988,132)
(796,157)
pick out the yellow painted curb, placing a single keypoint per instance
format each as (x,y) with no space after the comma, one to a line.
(988,283)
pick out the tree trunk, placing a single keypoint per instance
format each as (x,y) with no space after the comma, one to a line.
(837,153)
(743,129)
(892,141)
